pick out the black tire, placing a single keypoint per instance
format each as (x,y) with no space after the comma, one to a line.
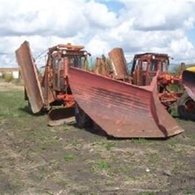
(82,119)
(29,108)
(186,107)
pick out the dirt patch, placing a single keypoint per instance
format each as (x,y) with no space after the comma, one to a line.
(37,159)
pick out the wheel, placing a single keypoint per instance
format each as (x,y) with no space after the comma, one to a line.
(186,107)
(28,107)
(82,119)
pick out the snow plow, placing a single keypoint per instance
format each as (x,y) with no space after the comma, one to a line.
(123,105)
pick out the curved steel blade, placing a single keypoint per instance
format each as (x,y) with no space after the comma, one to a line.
(122,109)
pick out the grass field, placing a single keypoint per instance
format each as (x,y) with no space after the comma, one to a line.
(37,159)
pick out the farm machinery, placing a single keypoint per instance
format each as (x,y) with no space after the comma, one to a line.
(51,91)
(186,104)
(123,104)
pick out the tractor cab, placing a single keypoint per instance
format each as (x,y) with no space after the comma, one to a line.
(145,67)
(60,58)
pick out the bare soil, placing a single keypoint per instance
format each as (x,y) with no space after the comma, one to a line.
(37,159)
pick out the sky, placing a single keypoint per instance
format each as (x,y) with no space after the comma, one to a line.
(163,26)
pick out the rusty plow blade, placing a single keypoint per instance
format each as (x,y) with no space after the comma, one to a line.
(30,76)
(122,110)
(188,79)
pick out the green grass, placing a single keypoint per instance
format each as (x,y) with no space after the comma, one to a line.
(141,141)
(106,144)
(51,160)
(12,104)
(109,145)
(100,165)
(69,157)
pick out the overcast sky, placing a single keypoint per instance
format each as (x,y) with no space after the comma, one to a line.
(166,26)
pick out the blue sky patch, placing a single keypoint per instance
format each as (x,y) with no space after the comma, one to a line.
(191,35)
(114,5)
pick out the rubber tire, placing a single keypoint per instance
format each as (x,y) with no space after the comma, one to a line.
(82,119)
(182,111)
(29,107)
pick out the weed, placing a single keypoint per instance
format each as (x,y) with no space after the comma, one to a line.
(101,165)
(7,77)
(108,145)
(69,157)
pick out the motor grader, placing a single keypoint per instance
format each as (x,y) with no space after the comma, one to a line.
(122,104)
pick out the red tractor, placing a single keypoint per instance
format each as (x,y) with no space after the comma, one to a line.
(51,91)
(171,88)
